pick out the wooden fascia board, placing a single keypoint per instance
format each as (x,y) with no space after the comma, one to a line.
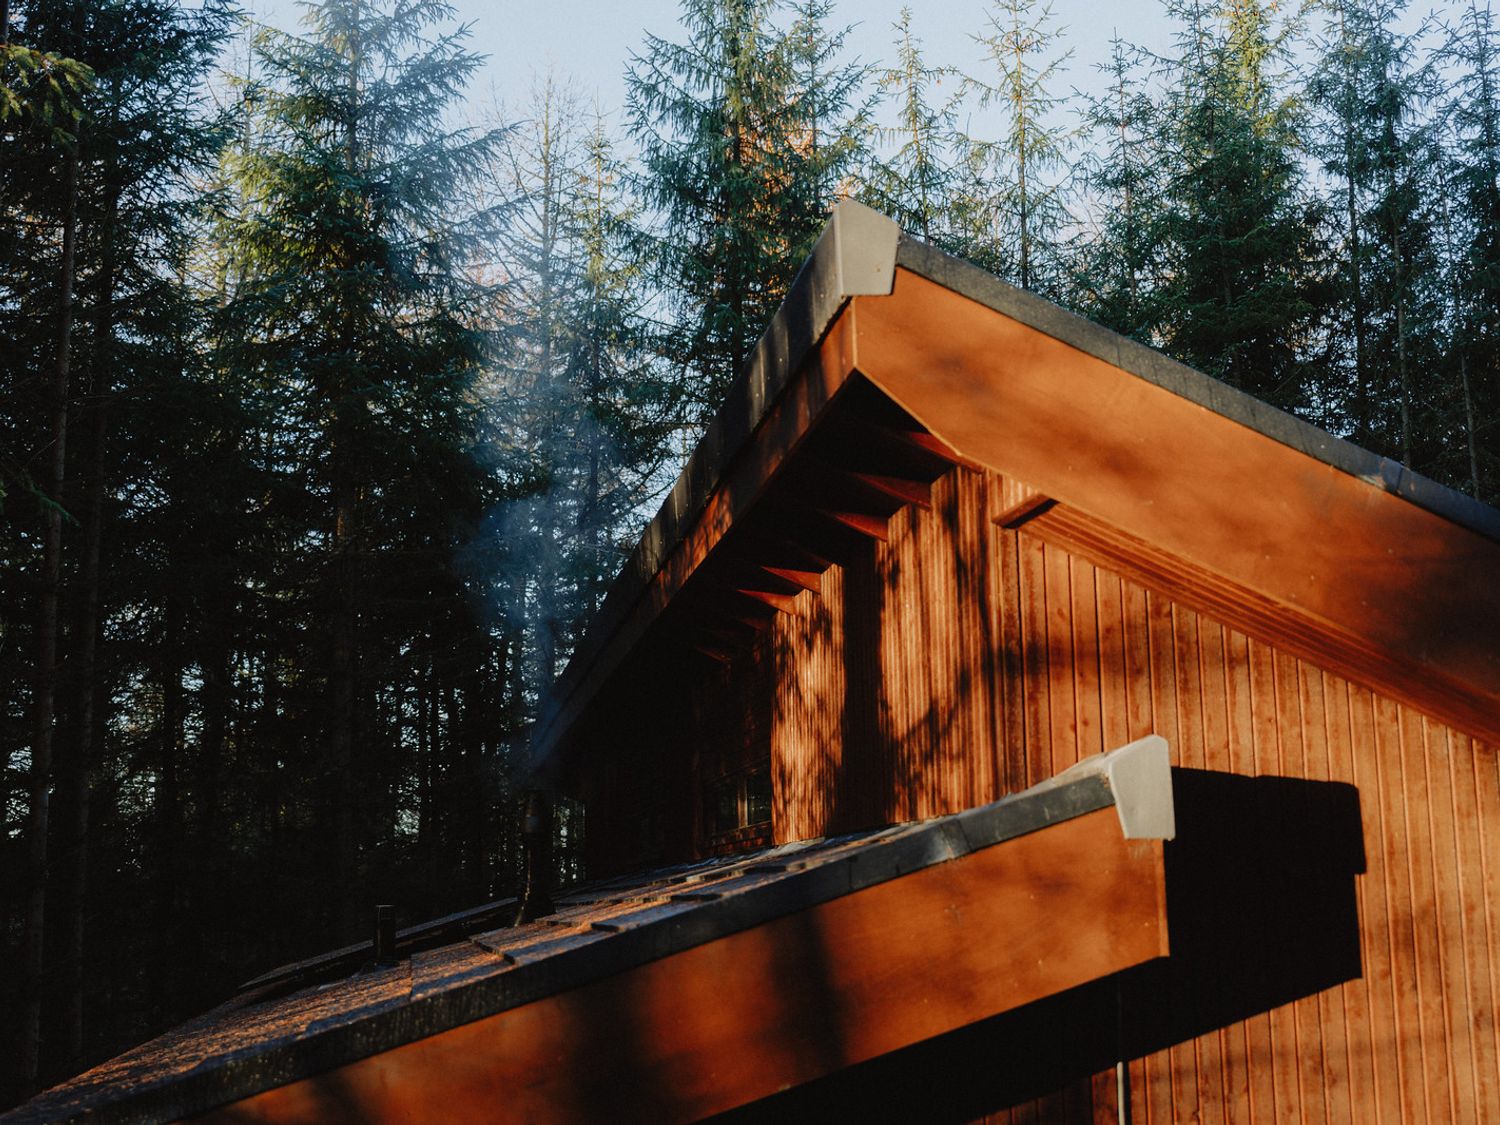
(1328,563)
(741,1017)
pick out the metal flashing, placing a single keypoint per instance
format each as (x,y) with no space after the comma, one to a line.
(1139,775)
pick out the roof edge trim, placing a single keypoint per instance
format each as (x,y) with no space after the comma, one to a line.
(890,854)
(1140,777)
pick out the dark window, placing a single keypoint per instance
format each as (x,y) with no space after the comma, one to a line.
(726,807)
(758,797)
(739,802)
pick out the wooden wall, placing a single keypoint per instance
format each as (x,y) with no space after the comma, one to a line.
(960,661)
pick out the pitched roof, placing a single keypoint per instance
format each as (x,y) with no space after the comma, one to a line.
(1139,462)
(270,1037)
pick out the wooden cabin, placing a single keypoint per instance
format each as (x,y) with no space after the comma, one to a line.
(999,721)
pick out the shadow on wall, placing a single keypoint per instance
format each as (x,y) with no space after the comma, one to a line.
(1261,911)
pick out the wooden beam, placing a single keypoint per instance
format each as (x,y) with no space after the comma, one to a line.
(781,603)
(875,527)
(716,653)
(900,489)
(807,579)
(1018,502)
(883,491)
(733,1020)
(885,443)
(762,583)
(774,554)
(818,534)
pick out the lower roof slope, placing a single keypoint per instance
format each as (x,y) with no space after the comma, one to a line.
(269,1037)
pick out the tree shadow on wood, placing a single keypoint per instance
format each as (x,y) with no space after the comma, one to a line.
(1261,911)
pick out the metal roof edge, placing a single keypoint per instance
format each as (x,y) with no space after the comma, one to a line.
(1186,382)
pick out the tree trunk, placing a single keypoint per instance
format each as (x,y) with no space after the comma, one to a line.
(167,805)
(1356,254)
(78,778)
(79,774)
(1401,366)
(1463,371)
(345,788)
(47,644)
(345,565)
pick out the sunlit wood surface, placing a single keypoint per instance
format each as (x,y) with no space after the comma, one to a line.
(1099,560)
(1284,544)
(741,1017)
(910,688)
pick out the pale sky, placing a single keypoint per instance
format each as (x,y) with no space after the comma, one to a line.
(591,41)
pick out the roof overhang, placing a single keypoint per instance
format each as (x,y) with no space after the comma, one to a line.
(1146,466)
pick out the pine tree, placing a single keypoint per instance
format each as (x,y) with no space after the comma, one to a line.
(827,122)
(1115,262)
(743,160)
(628,403)
(1020,219)
(351,316)
(1238,231)
(912,184)
(1473,51)
(1383,151)
(581,412)
(40,89)
(102,203)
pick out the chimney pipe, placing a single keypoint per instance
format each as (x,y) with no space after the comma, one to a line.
(385,935)
(536,851)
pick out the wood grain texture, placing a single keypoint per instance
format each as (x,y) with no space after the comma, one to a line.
(738,1018)
(1264,612)
(1352,572)
(1081,657)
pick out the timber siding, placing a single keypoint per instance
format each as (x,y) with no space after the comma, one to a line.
(1163,556)
(961,660)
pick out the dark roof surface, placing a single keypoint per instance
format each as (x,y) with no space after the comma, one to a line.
(269,1036)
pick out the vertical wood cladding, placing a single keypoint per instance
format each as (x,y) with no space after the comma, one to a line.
(959,661)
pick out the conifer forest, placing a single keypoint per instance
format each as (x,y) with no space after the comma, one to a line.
(331,399)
